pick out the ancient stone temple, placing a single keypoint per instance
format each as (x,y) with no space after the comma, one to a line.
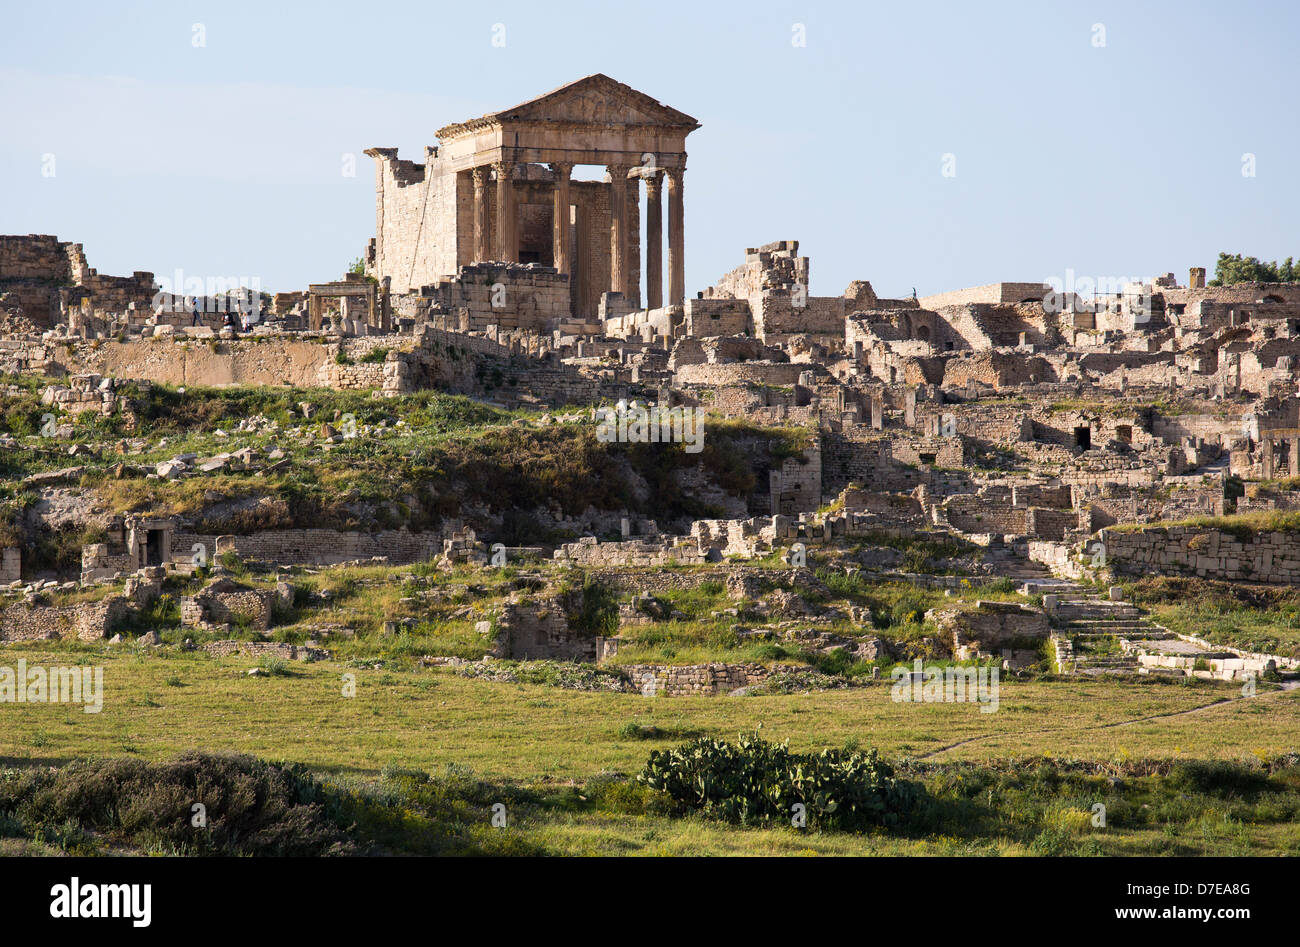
(499,188)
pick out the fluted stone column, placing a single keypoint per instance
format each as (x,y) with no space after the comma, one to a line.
(507,239)
(618,227)
(560,218)
(676,240)
(482,251)
(654,242)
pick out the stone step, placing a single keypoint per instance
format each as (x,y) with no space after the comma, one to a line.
(1080,615)
(1106,623)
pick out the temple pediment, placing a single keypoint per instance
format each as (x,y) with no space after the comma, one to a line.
(593,100)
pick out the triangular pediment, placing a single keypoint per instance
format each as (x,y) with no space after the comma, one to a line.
(598,100)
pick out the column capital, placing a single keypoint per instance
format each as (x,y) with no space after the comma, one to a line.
(618,171)
(480,175)
(561,169)
(503,168)
(653,182)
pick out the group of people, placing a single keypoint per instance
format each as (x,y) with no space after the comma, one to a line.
(228,320)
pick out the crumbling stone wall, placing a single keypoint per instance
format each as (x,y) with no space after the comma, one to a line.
(11,565)
(988,628)
(225,602)
(717,317)
(538,629)
(86,621)
(41,275)
(270,361)
(693,680)
(259,649)
(314,547)
(508,295)
(589,553)
(1270,557)
(992,294)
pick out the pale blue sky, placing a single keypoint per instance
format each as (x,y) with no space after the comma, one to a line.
(226,160)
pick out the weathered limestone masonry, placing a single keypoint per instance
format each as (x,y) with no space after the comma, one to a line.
(993,293)
(532,629)
(224,602)
(86,621)
(502,295)
(1226,667)
(11,565)
(260,649)
(797,485)
(773,283)
(131,543)
(317,547)
(433,358)
(1003,629)
(713,540)
(84,393)
(587,552)
(499,188)
(693,680)
(1061,559)
(283,360)
(42,278)
(1270,557)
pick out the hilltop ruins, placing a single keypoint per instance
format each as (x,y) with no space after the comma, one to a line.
(1046,428)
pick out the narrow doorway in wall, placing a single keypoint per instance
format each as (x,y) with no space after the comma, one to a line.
(153,547)
(1083,437)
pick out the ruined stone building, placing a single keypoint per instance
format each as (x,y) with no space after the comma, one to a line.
(47,281)
(499,188)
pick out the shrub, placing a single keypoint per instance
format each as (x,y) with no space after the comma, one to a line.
(753,781)
(252,807)
(274,666)
(1217,777)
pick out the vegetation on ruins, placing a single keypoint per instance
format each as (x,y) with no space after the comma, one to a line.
(1257,618)
(1233,268)
(1241,526)
(419,459)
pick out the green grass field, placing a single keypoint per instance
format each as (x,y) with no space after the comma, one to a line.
(158,704)
(545,741)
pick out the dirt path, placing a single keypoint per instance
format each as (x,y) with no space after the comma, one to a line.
(1106,726)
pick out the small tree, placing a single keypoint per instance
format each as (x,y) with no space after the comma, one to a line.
(1233,268)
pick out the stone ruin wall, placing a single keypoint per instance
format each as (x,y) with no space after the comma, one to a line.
(530,296)
(315,547)
(771,266)
(259,649)
(86,621)
(38,270)
(415,220)
(1269,557)
(693,680)
(267,361)
(539,630)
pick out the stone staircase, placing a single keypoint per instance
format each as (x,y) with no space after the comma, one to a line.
(1088,629)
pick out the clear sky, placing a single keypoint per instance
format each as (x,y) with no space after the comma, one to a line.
(1119,158)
